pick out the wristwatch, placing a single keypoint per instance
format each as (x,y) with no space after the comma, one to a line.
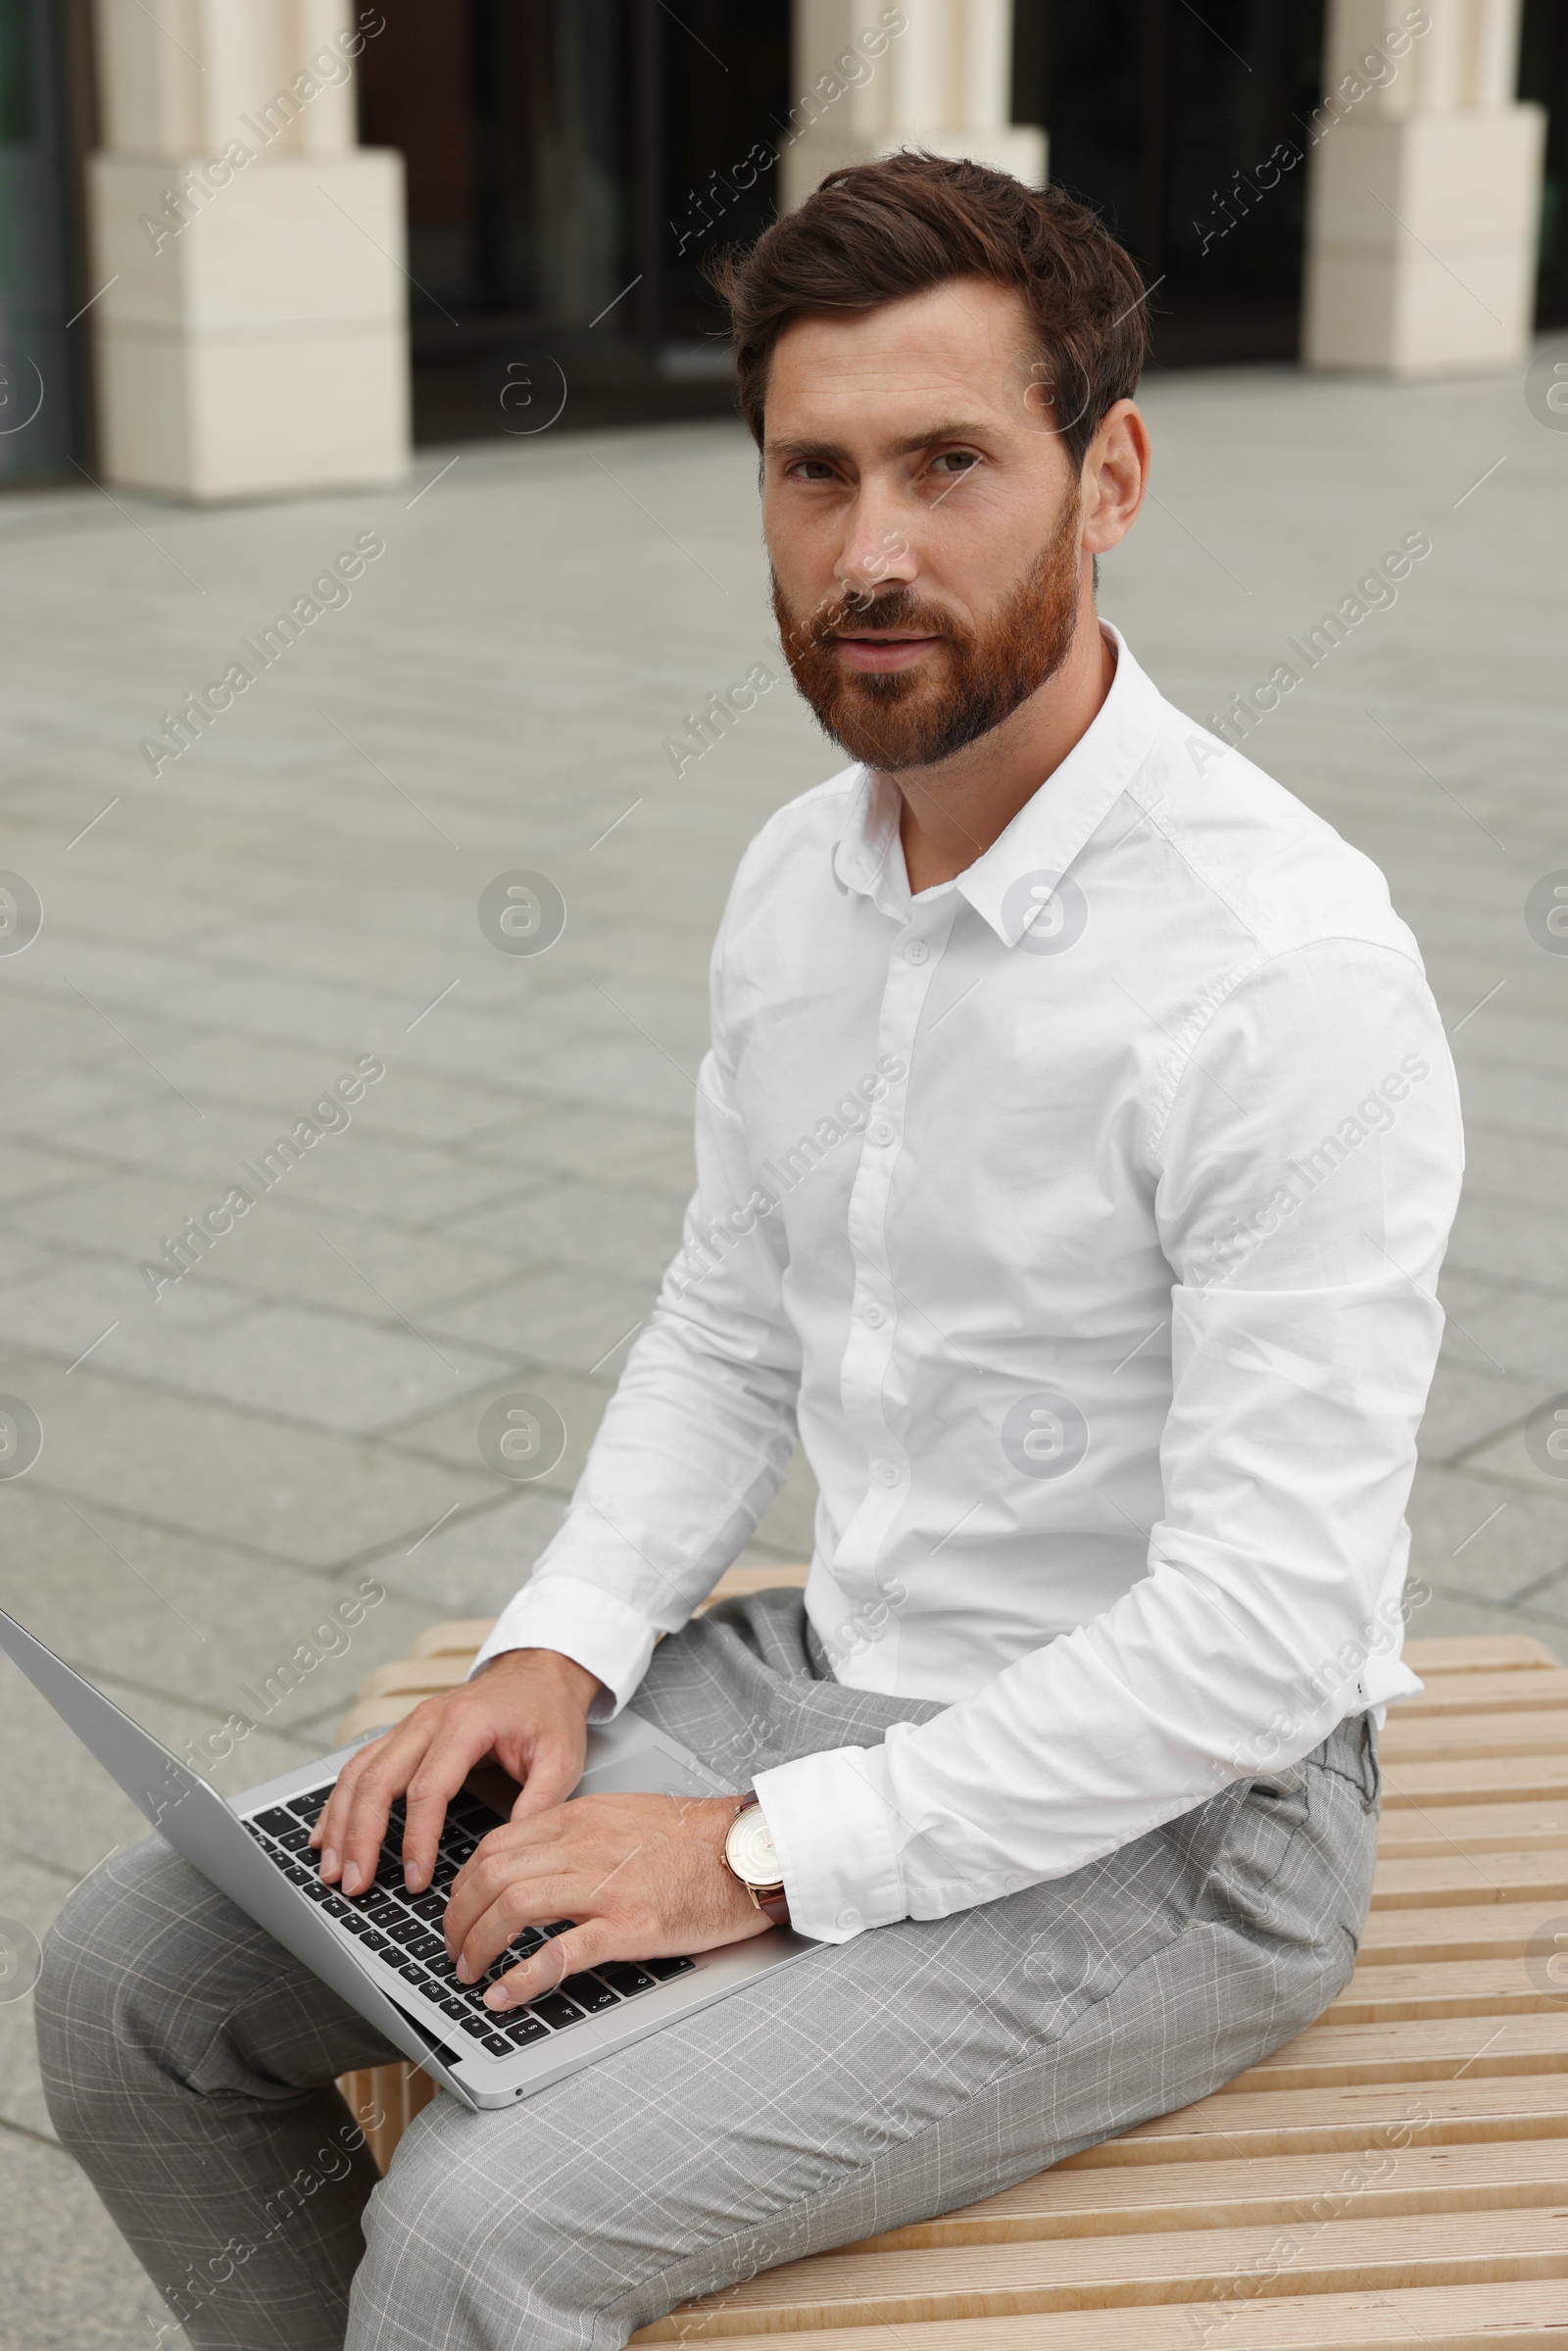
(748,1855)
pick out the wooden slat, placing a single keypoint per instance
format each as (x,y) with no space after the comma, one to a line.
(420,1676)
(1472,2111)
(1306,2189)
(1439,1738)
(972,2281)
(735,1581)
(1484,1693)
(1473,1828)
(1460,1931)
(1476,1652)
(1494,1987)
(1493,1779)
(1429,2049)
(1445,1877)
(1448,2318)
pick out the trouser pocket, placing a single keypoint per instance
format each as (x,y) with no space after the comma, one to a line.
(1351,1750)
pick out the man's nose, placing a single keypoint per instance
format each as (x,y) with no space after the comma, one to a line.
(876,554)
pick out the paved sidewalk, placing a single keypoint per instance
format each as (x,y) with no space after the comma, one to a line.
(300,891)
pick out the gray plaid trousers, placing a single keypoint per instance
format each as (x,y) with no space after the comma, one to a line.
(189,2062)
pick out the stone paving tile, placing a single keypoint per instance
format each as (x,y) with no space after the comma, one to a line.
(408,1183)
(62,1308)
(76,1813)
(332,1371)
(194,1624)
(627,1230)
(138,976)
(31,1899)
(273,1489)
(1510,1097)
(452,1432)
(1509,1242)
(318,1257)
(642,1071)
(1507,1459)
(342,1372)
(26,1171)
(1469,1403)
(475,1562)
(1448,1617)
(330,1259)
(608,1146)
(52,1099)
(20,1254)
(1489,1542)
(1514,1329)
(68,2279)
(567,1314)
(1498,1169)
(198,1139)
(1534,1045)
(337,1020)
(270,1081)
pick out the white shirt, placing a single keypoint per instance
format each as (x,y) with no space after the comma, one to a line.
(1084,1215)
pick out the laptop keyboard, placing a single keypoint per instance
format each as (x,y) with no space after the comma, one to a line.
(403,1929)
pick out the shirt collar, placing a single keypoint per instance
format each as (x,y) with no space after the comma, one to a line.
(1045,836)
(868,856)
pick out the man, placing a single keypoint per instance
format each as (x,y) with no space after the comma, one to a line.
(1076,1154)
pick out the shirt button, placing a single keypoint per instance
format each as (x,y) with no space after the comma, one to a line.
(885,1472)
(873,1314)
(915,950)
(879,1132)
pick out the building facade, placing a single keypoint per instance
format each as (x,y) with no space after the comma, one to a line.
(250,248)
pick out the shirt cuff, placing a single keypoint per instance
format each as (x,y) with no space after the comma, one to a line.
(583,1622)
(832,1824)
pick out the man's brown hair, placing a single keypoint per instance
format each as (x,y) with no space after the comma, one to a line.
(876,232)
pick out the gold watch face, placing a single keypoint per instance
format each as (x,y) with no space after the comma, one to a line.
(749,1850)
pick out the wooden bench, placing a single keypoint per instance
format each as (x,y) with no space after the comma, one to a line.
(1397,2174)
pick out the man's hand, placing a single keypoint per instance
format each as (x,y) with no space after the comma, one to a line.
(642,1876)
(528,1708)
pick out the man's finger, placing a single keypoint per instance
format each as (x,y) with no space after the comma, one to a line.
(563,1956)
(371,1799)
(461,1739)
(365,1789)
(327,1833)
(534,1891)
(551,1774)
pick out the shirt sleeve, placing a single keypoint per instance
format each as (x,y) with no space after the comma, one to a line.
(1307,1163)
(696,1440)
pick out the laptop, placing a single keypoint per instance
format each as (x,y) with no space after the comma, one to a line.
(383,1952)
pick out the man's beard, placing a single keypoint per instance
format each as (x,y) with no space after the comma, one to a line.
(901,719)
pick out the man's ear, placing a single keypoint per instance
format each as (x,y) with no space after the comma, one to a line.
(1115,476)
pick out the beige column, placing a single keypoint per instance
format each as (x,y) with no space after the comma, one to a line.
(1425,191)
(252,339)
(869,80)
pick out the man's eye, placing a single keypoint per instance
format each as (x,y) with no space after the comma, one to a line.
(813,469)
(956,460)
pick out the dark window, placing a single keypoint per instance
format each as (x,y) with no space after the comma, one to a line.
(1544,77)
(569,164)
(1167,119)
(39,405)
